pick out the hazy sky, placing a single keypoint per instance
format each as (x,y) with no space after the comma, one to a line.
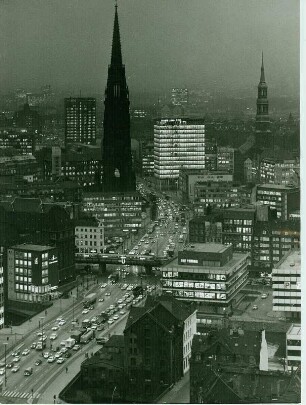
(165,43)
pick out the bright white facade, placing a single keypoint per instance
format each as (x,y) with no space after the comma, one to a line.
(286,281)
(293,347)
(178,144)
(190,329)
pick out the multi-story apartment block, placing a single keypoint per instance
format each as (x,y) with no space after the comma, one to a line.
(89,236)
(283,198)
(286,283)
(293,347)
(80,120)
(207,274)
(178,144)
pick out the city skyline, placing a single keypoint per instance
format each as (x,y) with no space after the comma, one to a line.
(68,43)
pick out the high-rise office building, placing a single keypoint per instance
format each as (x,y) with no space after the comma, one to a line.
(80,120)
(178,144)
(262,126)
(118,174)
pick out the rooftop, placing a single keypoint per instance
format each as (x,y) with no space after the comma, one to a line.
(291,261)
(278,186)
(206,247)
(295,329)
(31,247)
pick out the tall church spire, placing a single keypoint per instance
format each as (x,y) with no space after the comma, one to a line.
(262,75)
(118,175)
(262,116)
(116,58)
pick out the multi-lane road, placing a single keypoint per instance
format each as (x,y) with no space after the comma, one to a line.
(24,387)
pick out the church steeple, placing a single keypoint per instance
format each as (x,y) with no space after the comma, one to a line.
(116,58)
(262,116)
(262,75)
(118,175)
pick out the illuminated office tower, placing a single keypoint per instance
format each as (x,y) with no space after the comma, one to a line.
(80,120)
(178,144)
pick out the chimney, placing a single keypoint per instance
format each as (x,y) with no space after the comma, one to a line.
(263,365)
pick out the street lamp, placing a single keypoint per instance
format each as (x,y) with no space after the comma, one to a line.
(5,344)
(114,393)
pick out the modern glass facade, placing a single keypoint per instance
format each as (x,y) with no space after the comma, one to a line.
(178,144)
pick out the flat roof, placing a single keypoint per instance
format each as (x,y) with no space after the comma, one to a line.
(237,257)
(295,329)
(291,261)
(277,186)
(29,246)
(206,247)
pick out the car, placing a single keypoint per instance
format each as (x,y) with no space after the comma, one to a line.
(55,327)
(255,307)
(10,365)
(61,323)
(134,302)
(15,369)
(59,319)
(46,355)
(33,345)
(17,353)
(26,352)
(115,317)
(16,359)
(67,355)
(94,326)
(112,307)
(100,327)
(103,285)
(107,294)
(51,359)
(263,296)
(123,287)
(85,311)
(101,299)
(2,371)
(130,288)
(60,360)
(76,347)
(122,312)
(120,301)
(91,308)
(53,336)
(110,321)
(39,333)
(38,362)
(64,350)
(58,354)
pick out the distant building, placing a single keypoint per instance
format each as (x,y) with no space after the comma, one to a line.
(207,273)
(280,171)
(147,160)
(286,283)
(80,120)
(283,198)
(225,159)
(206,229)
(118,213)
(19,168)
(27,118)
(178,144)
(81,164)
(293,347)
(21,139)
(179,97)
(89,236)
(31,272)
(210,156)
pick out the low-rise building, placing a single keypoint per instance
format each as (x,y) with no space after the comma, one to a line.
(207,274)
(293,347)
(286,283)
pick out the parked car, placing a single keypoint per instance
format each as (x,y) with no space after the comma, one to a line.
(55,327)
(51,359)
(2,371)
(85,311)
(76,347)
(255,307)
(46,355)
(16,359)
(25,352)
(53,336)
(60,360)
(264,296)
(10,365)
(101,299)
(33,345)
(38,362)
